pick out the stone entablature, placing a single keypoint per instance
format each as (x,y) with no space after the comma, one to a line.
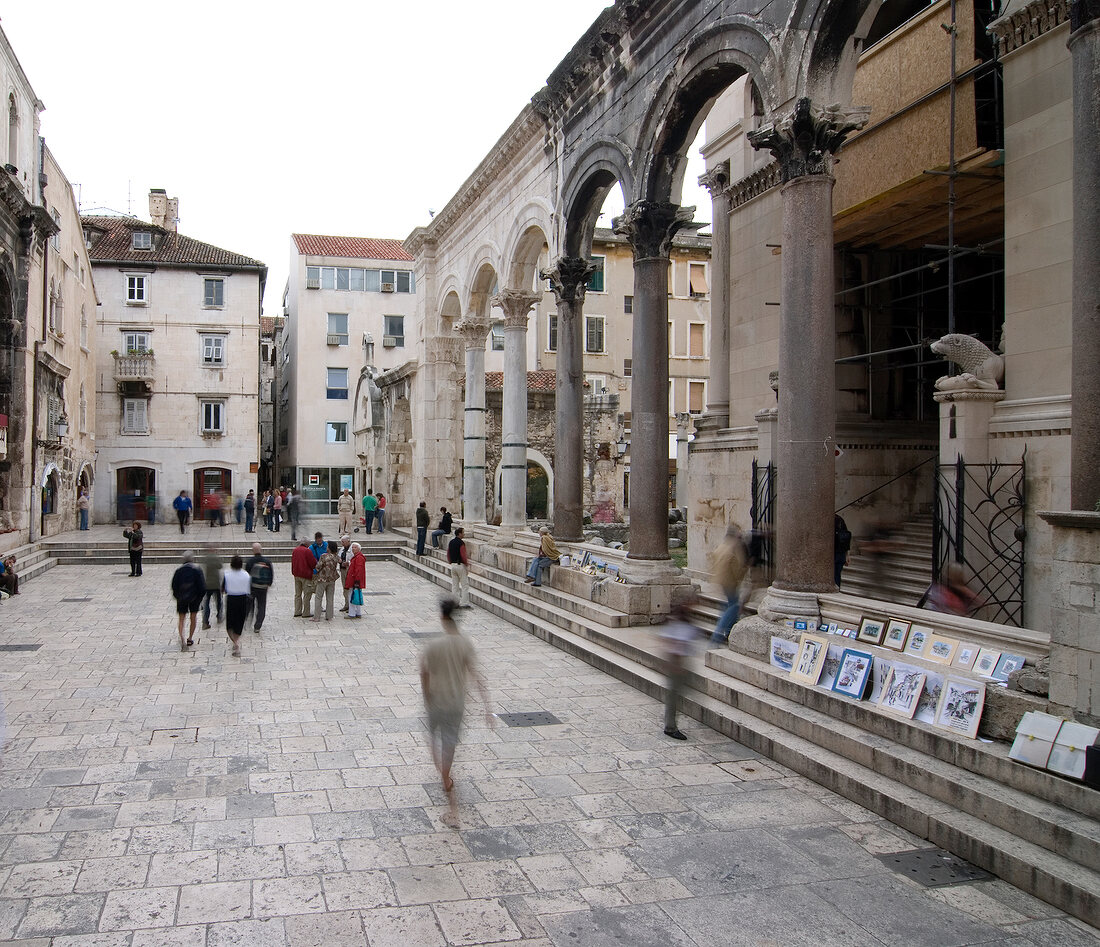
(1021,23)
(757,183)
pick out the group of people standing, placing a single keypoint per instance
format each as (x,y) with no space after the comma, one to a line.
(317,567)
(374,511)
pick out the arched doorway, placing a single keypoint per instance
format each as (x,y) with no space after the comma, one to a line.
(51,495)
(133,486)
(538,492)
(84,484)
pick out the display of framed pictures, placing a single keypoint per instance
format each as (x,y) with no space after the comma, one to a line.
(941,649)
(965,655)
(854,670)
(986,662)
(960,707)
(902,691)
(831,666)
(812,651)
(1006,664)
(930,698)
(782,653)
(917,642)
(895,635)
(880,671)
(870,630)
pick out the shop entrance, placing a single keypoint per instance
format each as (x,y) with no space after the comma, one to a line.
(132,486)
(212,480)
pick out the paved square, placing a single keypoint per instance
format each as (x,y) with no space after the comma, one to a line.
(149,797)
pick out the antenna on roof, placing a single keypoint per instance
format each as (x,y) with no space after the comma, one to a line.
(129,199)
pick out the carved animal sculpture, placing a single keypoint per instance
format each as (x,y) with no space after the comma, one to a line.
(982,368)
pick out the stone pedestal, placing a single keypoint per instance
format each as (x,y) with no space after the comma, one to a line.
(1075,614)
(964,424)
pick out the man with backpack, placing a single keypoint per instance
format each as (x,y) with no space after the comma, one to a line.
(188,588)
(262,573)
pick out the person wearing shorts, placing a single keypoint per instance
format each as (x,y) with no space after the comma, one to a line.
(188,587)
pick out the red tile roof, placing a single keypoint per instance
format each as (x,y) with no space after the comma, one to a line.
(353,248)
(169,248)
(536,381)
(267,325)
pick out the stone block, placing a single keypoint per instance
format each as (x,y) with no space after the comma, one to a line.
(1082,596)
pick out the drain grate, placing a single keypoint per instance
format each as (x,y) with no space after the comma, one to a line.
(529,718)
(933,867)
(182,735)
(88,599)
(19,647)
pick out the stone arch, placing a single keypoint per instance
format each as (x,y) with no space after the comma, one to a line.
(714,59)
(529,234)
(450,310)
(484,283)
(540,460)
(829,64)
(603,164)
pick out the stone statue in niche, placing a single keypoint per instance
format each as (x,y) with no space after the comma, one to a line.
(982,368)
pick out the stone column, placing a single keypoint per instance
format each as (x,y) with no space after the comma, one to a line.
(516,305)
(804,144)
(717,415)
(473,332)
(650,227)
(569,280)
(683,440)
(1084,47)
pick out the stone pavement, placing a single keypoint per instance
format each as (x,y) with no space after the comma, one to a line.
(149,797)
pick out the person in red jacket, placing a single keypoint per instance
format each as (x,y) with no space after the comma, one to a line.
(356,578)
(302,564)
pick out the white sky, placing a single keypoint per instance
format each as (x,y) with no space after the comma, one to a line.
(337,117)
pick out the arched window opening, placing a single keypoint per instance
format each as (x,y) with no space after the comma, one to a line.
(13,130)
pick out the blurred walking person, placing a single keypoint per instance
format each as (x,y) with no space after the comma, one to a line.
(678,637)
(188,585)
(212,571)
(730,562)
(262,575)
(237,586)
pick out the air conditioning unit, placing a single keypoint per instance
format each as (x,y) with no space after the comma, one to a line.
(333,339)
(387,287)
(389,341)
(313,284)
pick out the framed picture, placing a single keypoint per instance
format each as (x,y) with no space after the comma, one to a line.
(831,666)
(586,558)
(986,662)
(1006,665)
(852,675)
(960,706)
(929,698)
(941,649)
(783,652)
(897,631)
(800,624)
(812,651)
(870,630)
(902,691)
(964,657)
(917,642)
(880,670)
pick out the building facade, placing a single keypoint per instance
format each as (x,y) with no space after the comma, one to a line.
(349,309)
(177,345)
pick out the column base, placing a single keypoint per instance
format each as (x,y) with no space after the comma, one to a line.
(779,604)
(506,535)
(653,571)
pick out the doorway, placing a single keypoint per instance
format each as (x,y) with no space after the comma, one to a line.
(212,480)
(538,491)
(133,485)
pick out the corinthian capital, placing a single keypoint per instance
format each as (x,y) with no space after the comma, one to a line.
(516,305)
(473,331)
(805,141)
(717,179)
(651,225)
(569,277)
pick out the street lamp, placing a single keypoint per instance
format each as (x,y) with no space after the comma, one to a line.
(62,427)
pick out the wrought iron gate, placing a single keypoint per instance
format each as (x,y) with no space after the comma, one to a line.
(762,514)
(979,522)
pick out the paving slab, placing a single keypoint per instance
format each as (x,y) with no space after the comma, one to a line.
(154,797)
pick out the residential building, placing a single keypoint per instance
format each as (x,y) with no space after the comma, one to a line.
(177,344)
(348,312)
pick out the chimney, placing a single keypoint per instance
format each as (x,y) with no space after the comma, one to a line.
(163,210)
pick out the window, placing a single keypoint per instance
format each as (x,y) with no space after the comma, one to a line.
(136,342)
(628,367)
(135,418)
(628,304)
(13,131)
(83,327)
(213,417)
(356,280)
(336,432)
(313,277)
(213,350)
(53,306)
(83,406)
(136,290)
(593,334)
(404,281)
(213,292)
(337,328)
(597,384)
(336,386)
(697,332)
(372,281)
(328,277)
(697,280)
(696,396)
(55,239)
(496,334)
(595,281)
(671,339)
(552,334)
(394,329)
(141,240)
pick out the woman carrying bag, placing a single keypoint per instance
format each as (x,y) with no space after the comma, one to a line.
(135,544)
(355,580)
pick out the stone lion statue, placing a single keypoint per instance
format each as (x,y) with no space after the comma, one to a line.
(982,368)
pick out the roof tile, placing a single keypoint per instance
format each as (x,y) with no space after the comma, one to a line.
(353,248)
(170,248)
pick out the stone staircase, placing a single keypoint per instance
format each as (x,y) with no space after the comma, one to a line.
(900,575)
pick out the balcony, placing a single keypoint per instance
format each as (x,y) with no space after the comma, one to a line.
(135,372)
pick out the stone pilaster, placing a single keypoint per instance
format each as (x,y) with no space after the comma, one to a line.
(803,143)
(650,227)
(517,306)
(568,281)
(717,415)
(683,441)
(473,332)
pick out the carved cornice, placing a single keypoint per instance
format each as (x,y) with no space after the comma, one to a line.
(473,332)
(569,278)
(717,179)
(1018,27)
(443,348)
(516,305)
(805,141)
(759,182)
(650,227)
(1082,13)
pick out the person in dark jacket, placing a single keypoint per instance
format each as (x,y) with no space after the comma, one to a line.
(188,586)
(423,520)
(135,545)
(842,543)
(443,529)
